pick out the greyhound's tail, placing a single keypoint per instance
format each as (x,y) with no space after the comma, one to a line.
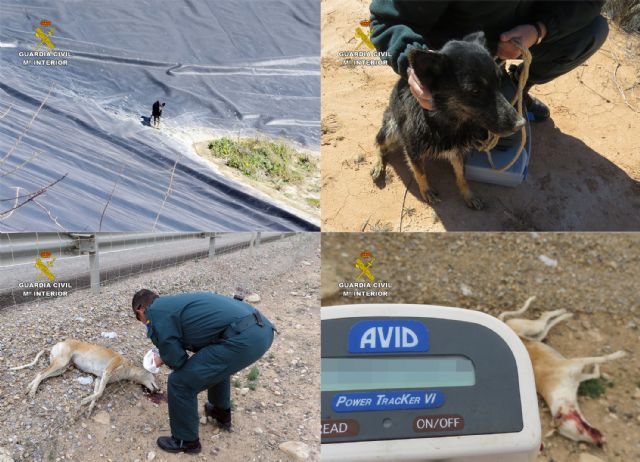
(503,316)
(30,364)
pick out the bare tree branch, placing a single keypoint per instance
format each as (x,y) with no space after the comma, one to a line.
(166,195)
(110,196)
(6,112)
(35,155)
(26,129)
(14,204)
(32,196)
(51,217)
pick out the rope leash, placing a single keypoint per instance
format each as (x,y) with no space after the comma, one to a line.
(492,140)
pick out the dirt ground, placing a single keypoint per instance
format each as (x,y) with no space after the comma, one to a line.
(585,163)
(594,277)
(283,407)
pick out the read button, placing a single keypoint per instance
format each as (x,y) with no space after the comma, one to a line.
(438,423)
(335,428)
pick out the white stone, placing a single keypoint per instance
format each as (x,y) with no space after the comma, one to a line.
(103,418)
(5,455)
(466,290)
(296,449)
(151,455)
(85,380)
(109,334)
(585,457)
(252,298)
(548,261)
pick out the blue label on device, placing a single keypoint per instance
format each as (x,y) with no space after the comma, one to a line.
(387,400)
(388,336)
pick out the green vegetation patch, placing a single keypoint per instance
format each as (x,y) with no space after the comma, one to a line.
(253,374)
(594,388)
(261,158)
(313,202)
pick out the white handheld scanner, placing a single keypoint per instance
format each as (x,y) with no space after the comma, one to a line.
(425,383)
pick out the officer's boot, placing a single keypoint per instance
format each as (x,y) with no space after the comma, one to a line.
(223,417)
(171,444)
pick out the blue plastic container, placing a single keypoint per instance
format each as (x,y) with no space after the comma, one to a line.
(477,166)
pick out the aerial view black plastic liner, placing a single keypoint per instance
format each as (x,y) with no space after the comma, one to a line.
(77,82)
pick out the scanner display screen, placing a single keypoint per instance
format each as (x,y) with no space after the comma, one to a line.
(345,374)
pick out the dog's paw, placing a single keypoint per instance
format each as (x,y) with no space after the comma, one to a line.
(430,196)
(378,171)
(474,203)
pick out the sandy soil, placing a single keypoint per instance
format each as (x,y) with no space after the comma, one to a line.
(585,162)
(53,427)
(595,278)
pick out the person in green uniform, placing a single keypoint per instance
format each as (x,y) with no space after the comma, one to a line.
(561,35)
(226,336)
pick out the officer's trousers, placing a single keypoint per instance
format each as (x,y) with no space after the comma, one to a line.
(566,51)
(210,369)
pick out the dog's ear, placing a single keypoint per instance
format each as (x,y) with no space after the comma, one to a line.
(476,37)
(428,65)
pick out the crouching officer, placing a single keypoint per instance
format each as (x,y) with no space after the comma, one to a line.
(226,336)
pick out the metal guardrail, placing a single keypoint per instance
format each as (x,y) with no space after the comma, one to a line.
(18,248)
(21,248)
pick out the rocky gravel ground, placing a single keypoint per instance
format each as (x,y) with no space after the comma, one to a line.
(593,275)
(275,415)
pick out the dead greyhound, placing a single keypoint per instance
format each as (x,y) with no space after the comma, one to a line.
(104,363)
(534,329)
(558,378)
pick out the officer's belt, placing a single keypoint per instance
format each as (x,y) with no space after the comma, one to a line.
(240,325)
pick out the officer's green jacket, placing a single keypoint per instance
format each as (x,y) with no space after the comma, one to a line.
(397,26)
(188,322)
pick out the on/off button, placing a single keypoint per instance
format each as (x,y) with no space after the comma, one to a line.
(438,423)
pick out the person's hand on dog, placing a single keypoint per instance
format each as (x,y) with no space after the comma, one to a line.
(528,35)
(157,360)
(419,91)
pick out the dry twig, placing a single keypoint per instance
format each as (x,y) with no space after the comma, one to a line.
(115,185)
(33,195)
(167,193)
(26,129)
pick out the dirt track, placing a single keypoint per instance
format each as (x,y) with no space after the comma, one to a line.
(52,427)
(583,174)
(595,278)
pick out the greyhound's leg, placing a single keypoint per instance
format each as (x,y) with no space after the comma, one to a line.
(57,367)
(525,307)
(575,365)
(99,389)
(551,314)
(594,375)
(95,393)
(548,327)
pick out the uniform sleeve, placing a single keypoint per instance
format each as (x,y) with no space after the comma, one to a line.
(563,17)
(166,337)
(394,31)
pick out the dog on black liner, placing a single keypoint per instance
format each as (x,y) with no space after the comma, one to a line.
(464,81)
